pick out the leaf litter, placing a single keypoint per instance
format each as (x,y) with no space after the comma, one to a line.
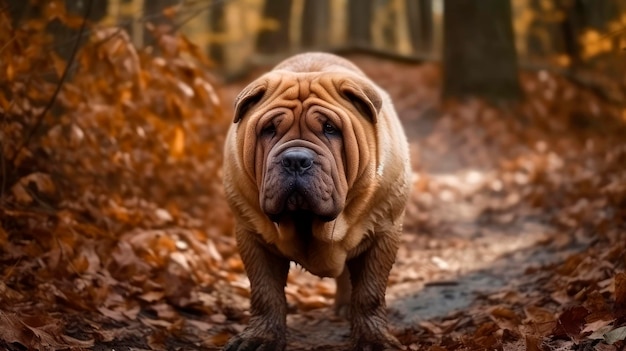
(114,232)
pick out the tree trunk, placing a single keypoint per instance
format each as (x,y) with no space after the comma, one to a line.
(420,18)
(359,23)
(273,41)
(479,56)
(217,22)
(573,26)
(315,23)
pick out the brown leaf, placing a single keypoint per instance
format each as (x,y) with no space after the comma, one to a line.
(116,315)
(506,319)
(152,296)
(487,336)
(571,322)
(80,264)
(597,329)
(58,63)
(221,338)
(308,303)
(11,330)
(165,311)
(156,322)
(200,325)
(177,146)
(598,307)
(47,331)
(21,194)
(10,73)
(533,343)
(42,184)
(78,343)
(540,320)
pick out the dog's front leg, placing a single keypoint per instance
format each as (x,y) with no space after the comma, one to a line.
(369,273)
(267,273)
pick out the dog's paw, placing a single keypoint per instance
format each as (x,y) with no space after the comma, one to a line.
(243,342)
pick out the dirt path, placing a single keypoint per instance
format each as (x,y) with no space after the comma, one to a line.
(446,274)
(470,243)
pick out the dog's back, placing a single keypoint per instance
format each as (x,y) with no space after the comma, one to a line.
(317,62)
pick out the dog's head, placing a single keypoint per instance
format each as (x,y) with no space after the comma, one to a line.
(305,138)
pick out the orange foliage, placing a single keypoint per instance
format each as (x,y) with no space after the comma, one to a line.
(131,149)
(114,231)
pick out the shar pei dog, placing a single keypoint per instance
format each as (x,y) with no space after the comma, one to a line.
(316,171)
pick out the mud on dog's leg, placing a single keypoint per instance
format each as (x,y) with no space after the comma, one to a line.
(369,273)
(267,273)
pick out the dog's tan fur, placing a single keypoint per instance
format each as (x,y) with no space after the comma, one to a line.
(354,196)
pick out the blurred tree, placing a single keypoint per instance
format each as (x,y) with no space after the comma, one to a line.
(385,34)
(359,22)
(573,29)
(545,33)
(218,27)
(586,17)
(420,20)
(154,13)
(600,12)
(274,35)
(22,10)
(592,33)
(64,35)
(315,23)
(479,51)
(573,25)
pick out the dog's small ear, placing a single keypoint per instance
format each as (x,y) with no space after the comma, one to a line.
(248,97)
(364,97)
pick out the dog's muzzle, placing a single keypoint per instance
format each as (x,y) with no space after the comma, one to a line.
(298,179)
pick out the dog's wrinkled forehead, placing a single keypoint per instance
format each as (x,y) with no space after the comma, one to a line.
(291,87)
(301,86)
(304,86)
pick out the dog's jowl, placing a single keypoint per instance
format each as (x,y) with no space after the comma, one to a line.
(316,171)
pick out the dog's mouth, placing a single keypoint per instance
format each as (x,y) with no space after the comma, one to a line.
(299,223)
(297,202)
(299,217)
(298,208)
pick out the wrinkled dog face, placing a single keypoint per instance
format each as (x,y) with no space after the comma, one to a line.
(299,177)
(304,157)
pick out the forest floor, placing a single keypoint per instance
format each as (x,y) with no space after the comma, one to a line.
(115,235)
(496,233)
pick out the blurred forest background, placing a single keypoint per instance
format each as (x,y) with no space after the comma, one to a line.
(114,233)
(563,35)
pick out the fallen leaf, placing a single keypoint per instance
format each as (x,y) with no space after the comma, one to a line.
(570,322)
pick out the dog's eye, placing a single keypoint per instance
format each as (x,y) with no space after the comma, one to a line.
(329,128)
(268,130)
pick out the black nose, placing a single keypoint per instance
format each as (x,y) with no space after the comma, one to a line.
(297,160)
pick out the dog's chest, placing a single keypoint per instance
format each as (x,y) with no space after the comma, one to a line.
(320,258)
